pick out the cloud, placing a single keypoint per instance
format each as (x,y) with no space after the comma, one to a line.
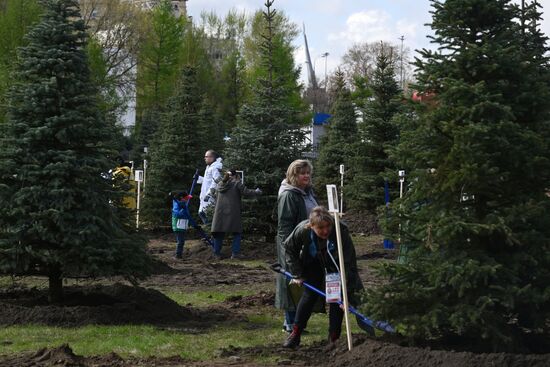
(373,26)
(365,26)
(196,7)
(406,28)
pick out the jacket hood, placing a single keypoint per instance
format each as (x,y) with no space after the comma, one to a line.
(285,186)
(217,163)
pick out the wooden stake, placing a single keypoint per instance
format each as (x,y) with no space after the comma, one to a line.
(343,277)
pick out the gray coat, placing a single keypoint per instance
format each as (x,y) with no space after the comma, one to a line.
(227,213)
(291,210)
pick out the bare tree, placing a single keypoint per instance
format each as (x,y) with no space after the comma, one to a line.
(360,60)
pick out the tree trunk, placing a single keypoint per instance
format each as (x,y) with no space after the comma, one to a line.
(55,282)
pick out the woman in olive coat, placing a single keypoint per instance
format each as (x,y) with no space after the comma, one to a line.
(311,253)
(294,203)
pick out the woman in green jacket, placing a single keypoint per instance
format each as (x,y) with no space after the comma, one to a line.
(294,203)
(311,253)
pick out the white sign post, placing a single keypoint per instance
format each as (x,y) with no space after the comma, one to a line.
(332,195)
(131,169)
(242,175)
(139,179)
(145,150)
(144,172)
(401,174)
(401,182)
(341,188)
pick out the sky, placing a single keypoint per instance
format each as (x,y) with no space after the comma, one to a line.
(333,26)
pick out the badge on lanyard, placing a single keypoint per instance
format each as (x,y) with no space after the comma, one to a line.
(333,287)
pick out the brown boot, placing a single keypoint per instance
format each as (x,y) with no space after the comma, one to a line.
(293,339)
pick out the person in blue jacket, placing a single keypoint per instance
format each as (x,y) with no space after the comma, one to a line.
(180,219)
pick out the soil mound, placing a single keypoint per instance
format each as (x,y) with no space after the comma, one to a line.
(64,356)
(369,352)
(109,305)
(60,356)
(189,273)
(261,299)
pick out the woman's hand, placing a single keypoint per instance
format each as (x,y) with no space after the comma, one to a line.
(296,281)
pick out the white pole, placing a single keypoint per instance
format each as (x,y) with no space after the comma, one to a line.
(401,182)
(137,203)
(332,196)
(132,170)
(139,179)
(341,188)
(144,172)
(343,277)
(401,174)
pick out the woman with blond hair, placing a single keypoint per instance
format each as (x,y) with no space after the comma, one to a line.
(295,202)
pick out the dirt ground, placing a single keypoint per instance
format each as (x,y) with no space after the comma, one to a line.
(118,303)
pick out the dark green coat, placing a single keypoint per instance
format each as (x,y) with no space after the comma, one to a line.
(297,253)
(291,210)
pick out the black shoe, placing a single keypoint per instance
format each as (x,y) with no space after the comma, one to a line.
(178,256)
(293,339)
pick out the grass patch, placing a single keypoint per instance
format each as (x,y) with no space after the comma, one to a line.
(144,340)
(249,263)
(368,241)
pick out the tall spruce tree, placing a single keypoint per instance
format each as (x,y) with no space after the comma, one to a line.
(378,133)
(268,135)
(56,218)
(340,143)
(477,212)
(178,147)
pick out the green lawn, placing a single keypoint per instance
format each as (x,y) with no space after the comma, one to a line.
(262,327)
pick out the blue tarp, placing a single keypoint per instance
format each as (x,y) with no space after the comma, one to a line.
(321,118)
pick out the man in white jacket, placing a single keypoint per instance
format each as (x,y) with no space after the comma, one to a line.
(212,175)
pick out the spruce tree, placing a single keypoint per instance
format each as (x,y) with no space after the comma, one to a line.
(178,148)
(56,216)
(268,136)
(378,133)
(340,142)
(477,210)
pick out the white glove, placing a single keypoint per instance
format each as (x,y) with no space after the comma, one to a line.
(258,191)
